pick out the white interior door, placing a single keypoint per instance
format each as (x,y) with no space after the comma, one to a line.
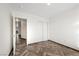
(38,31)
(23,28)
(34,31)
(14,35)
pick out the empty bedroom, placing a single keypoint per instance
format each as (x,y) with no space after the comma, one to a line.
(39,29)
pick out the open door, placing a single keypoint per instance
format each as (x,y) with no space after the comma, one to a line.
(19,34)
(14,35)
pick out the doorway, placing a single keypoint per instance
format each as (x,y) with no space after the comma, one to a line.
(20,32)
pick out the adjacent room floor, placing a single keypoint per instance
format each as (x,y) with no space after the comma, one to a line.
(44,48)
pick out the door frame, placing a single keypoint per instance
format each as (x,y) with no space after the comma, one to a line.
(14,32)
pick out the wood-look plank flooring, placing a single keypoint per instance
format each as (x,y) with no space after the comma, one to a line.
(44,48)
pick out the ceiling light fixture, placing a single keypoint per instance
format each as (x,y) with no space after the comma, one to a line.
(48,4)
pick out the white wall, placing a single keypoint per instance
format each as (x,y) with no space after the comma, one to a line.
(5,30)
(64,28)
(36,27)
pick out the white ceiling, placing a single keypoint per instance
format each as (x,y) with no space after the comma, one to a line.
(42,9)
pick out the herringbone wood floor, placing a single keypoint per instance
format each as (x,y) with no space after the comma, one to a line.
(44,48)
